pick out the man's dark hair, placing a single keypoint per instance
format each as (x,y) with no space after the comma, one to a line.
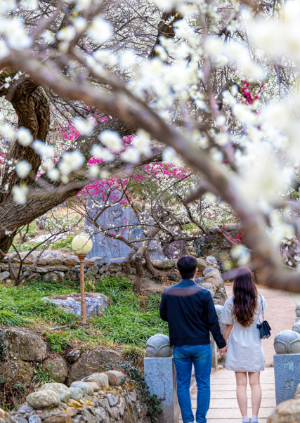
(187,266)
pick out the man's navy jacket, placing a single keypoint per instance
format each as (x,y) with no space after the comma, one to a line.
(190,312)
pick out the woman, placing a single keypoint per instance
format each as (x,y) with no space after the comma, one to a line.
(245,354)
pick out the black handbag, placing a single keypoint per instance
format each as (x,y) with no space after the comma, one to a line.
(264,327)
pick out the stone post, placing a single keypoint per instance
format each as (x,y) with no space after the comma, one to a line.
(160,376)
(286,364)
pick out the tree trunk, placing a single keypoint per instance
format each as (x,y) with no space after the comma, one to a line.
(139,275)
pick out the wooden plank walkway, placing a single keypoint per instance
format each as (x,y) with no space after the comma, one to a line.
(224,406)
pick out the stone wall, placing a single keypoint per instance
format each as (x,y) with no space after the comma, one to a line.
(99,398)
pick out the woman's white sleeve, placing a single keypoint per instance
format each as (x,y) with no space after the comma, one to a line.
(226,316)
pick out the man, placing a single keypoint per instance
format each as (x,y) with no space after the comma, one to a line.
(191,315)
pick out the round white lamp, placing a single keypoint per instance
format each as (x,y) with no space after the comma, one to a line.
(82,245)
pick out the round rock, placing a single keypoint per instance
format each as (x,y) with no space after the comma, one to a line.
(76,393)
(85,387)
(211,260)
(59,388)
(43,399)
(207,270)
(100,378)
(159,346)
(287,342)
(58,368)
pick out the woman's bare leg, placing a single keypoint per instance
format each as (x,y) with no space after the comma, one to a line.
(241,391)
(254,380)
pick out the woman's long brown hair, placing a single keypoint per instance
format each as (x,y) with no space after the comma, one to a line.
(244,297)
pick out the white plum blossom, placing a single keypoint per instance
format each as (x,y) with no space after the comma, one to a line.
(131,155)
(80,24)
(3,49)
(111,140)
(20,194)
(170,156)
(23,168)
(53,174)
(106,56)
(94,170)
(7,131)
(101,153)
(127,59)
(70,161)
(84,126)
(142,142)
(24,136)
(29,4)
(241,253)
(100,29)
(66,34)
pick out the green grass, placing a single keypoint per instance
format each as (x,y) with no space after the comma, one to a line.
(128,321)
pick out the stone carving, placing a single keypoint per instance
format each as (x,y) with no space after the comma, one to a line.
(159,346)
(112,220)
(296,327)
(287,342)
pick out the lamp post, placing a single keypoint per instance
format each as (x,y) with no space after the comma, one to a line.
(82,245)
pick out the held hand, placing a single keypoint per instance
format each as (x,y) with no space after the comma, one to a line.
(223,351)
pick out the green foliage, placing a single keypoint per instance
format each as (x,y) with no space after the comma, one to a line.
(127,320)
(152,401)
(24,304)
(58,341)
(8,318)
(42,375)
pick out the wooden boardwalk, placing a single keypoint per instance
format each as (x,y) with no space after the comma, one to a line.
(223,405)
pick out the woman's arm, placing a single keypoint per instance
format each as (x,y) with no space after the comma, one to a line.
(227,332)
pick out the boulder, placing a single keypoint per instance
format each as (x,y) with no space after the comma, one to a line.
(43,399)
(23,345)
(73,356)
(119,375)
(35,277)
(76,393)
(52,277)
(4,275)
(95,303)
(214,277)
(59,418)
(210,287)
(286,412)
(58,368)
(208,270)
(93,361)
(95,386)
(71,261)
(60,389)
(4,416)
(17,371)
(163,264)
(100,378)
(201,264)
(34,419)
(211,261)
(85,387)
(112,399)
(112,379)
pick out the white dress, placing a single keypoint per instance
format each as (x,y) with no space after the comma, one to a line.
(245,352)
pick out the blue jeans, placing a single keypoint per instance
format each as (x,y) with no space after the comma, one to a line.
(184,357)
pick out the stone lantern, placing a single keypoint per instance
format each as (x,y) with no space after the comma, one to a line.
(82,245)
